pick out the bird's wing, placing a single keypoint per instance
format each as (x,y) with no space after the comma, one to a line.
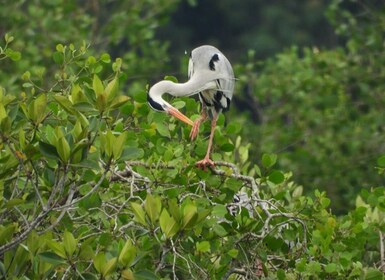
(226,81)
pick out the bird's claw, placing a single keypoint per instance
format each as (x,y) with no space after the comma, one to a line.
(195,130)
(204,163)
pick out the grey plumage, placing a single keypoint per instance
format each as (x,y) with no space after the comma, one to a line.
(208,58)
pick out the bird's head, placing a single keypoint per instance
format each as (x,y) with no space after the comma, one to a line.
(157,103)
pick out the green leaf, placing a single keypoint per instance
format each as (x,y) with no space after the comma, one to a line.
(112,89)
(65,103)
(14,55)
(99,262)
(92,201)
(119,101)
(89,276)
(233,128)
(109,266)
(118,145)
(203,246)
(48,150)
(297,192)
(57,247)
(106,143)
(220,210)
(131,153)
(281,275)
(6,233)
(168,224)
(77,131)
(5,124)
(190,216)
(69,243)
(101,103)
(26,76)
(58,57)
(60,48)
(91,60)
(105,57)
(22,139)
(219,230)
(127,274)
(374,274)
(63,149)
(179,104)
(268,160)
(27,85)
(8,38)
(82,119)
(140,96)
(145,275)
(152,205)
(325,202)
(52,258)
(227,147)
(14,202)
(171,78)
(128,254)
(331,268)
(174,210)
(3,113)
(117,65)
(381,161)
(233,253)
(202,214)
(140,215)
(276,177)
(313,267)
(36,109)
(163,129)
(97,86)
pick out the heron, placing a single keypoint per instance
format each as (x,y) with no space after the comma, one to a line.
(210,76)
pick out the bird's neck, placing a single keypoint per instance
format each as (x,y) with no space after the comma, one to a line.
(191,87)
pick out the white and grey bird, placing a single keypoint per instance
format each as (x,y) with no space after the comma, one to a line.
(212,77)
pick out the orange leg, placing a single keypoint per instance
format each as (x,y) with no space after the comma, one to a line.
(206,161)
(195,129)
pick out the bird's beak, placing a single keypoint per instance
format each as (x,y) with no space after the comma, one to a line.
(177,114)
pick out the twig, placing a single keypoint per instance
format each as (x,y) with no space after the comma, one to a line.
(162,259)
(382,251)
(235,270)
(64,210)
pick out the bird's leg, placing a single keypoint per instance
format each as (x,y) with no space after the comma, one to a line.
(195,129)
(206,161)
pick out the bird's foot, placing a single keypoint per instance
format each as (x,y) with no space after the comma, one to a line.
(204,163)
(195,129)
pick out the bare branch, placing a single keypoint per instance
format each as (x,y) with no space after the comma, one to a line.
(382,251)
